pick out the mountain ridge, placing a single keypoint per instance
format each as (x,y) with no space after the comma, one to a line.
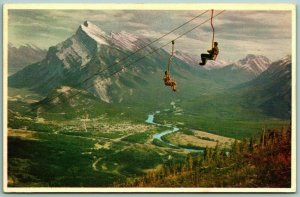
(82,57)
(21,56)
(254,63)
(271,90)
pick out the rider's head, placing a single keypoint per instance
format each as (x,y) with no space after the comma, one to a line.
(215,44)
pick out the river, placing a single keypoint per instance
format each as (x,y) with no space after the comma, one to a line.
(172,129)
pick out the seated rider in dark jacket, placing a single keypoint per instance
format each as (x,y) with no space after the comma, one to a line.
(212,54)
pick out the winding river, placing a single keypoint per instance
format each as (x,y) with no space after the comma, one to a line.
(172,129)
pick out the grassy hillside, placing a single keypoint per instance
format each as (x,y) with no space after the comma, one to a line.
(255,162)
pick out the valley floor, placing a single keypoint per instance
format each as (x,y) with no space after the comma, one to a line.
(109,148)
(119,155)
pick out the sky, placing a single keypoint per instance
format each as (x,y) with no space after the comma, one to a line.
(238,33)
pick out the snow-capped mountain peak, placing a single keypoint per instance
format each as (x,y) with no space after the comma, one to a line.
(286,60)
(124,35)
(281,66)
(122,40)
(188,58)
(94,32)
(127,41)
(217,64)
(254,63)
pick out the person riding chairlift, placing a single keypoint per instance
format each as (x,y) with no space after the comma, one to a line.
(169,82)
(212,54)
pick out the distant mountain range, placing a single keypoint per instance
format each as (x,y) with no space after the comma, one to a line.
(88,52)
(19,57)
(271,90)
(255,64)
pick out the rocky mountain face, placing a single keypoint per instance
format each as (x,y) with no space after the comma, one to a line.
(192,60)
(84,55)
(241,71)
(251,64)
(19,57)
(271,90)
(255,64)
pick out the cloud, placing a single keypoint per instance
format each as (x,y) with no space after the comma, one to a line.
(39,26)
(254,25)
(238,32)
(136,25)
